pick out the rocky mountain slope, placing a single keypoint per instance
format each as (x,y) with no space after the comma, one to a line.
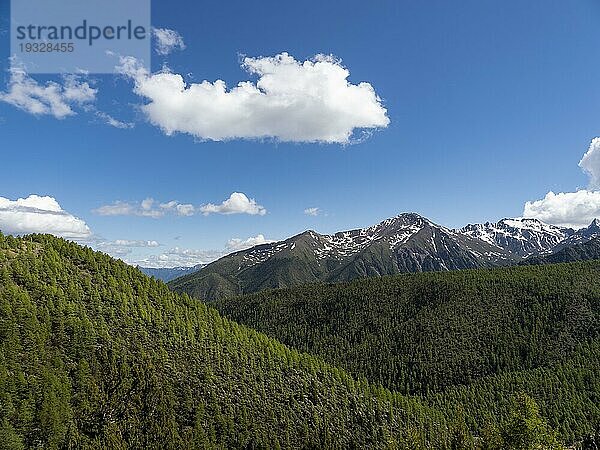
(592,231)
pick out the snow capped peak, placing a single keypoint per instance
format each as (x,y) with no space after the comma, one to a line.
(521,222)
(400,221)
(522,236)
(591,231)
(392,232)
(410,216)
(526,223)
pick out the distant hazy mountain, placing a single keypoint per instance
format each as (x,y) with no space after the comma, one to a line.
(521,237)
(406,243)
(169,273)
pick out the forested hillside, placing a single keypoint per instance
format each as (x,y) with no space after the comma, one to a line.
(96,355)
(469,338)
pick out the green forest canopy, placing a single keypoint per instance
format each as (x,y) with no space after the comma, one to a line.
(471,338)
(97,355)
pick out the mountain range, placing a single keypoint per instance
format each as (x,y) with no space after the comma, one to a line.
(405,243)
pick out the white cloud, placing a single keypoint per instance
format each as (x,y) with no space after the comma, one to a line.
(52,98)
(237,203)
(134,243)
(567,209)
(572,209)
(120,248)
(110,120)
(312,211)
(37,214)
(590,163)
(118,208)
(167,41)
(146,208)
(147,203)
(178,256)
(237,244)
(294,101)
(55,99)
(181,209)
(74,90)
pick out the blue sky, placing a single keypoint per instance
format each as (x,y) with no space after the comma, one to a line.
(491,104)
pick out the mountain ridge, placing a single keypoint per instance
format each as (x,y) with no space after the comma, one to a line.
(407,242)
(576,252)
(580,236)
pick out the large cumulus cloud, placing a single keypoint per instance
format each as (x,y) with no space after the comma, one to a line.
(40,214)
(572,209)
(294,101)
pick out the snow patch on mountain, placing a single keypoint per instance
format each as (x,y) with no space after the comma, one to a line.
(262,252)
(395,231)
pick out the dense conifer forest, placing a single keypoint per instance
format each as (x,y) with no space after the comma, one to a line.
(463,339)
(94,354)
